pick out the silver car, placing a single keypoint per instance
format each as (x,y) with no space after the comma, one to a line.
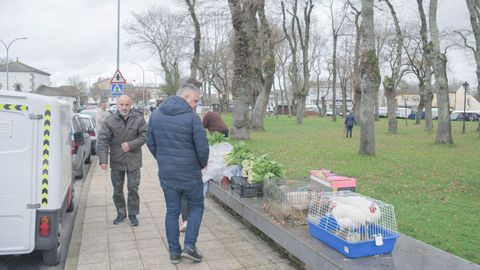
(81,146)
(91,125)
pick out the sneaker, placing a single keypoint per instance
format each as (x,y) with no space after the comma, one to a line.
(133,220)
(183,227)
(192,254)
(119,219)
(175,259)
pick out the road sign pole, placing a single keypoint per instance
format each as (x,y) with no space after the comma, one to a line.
(118,36)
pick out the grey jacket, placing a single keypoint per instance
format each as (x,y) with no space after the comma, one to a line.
(115,131)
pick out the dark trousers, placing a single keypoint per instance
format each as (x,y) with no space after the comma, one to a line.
(133,181)
(349,131)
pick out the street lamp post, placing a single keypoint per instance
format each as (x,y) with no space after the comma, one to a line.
(143,83)
(465,87)
(8,47)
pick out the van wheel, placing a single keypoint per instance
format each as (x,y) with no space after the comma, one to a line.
(53,256)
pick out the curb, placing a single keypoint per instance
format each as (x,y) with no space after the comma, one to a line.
(75,241)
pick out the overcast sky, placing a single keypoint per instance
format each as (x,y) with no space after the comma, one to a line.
(67,38)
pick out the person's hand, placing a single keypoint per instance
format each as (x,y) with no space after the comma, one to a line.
(104,166)
(125,147)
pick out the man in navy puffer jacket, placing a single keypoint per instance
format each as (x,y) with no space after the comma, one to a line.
(179,143)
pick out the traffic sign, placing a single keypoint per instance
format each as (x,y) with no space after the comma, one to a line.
(118,78)
(117,89)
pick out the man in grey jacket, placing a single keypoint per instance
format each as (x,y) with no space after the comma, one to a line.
(122,134)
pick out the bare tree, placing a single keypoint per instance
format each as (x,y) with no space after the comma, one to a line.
(390,83)
(300,83)
(474,10)
(336,25)
(427,94)
(196,40)
(417,63)
(79,87)
(316,64)
(357,93)
(283,54)
(344,70)
(247,71)
(370,80)
(439,62)
(267,52)
(163,32)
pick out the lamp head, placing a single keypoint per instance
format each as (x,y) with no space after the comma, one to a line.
(465,84)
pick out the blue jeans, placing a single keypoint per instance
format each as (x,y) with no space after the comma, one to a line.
(173,192)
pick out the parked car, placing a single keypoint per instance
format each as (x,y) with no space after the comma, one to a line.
(469,116)
(81,146)
(91,125)
(92,112)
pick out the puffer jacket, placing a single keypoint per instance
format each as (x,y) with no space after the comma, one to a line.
(115,131)
(177,139)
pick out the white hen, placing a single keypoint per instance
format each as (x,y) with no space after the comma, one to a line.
(352,212)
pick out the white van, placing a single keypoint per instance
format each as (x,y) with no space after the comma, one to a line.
(36,173)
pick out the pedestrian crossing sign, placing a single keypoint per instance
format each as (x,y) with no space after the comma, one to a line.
(117,89)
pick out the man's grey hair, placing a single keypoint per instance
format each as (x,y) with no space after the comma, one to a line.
(188,87)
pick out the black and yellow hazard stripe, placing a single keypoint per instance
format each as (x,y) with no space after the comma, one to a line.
(46,154)
(13,107)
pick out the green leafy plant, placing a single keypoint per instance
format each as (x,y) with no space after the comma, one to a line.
(261,168)
(216,137)
(239,153)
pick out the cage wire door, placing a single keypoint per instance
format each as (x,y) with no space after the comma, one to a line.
(352,218)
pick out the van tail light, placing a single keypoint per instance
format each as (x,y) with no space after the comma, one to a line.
(91,133)
(44,226)
(74,147)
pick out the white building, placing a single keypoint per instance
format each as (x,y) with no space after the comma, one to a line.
(22,77)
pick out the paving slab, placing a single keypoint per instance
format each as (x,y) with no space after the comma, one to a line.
(101,245)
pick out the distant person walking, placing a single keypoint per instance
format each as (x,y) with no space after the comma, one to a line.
(123,133)
(101,114)
(349,123)
(214,123)
(178,141)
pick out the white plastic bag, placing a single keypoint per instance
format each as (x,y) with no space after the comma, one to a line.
(216,162)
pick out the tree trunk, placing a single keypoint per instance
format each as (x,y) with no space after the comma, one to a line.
(390,84)
(370,80)
(244,81)
(474,10)
(439,61)
(334,79)
(428,93)
(317,101)
(324,107)
(421,103)
(391,104)
(196,40)
(357,98)
(267,62)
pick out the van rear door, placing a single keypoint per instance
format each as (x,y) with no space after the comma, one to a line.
(18,154)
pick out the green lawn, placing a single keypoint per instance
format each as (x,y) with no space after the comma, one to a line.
(435,189)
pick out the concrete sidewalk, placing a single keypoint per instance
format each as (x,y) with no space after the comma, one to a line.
(96,243)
